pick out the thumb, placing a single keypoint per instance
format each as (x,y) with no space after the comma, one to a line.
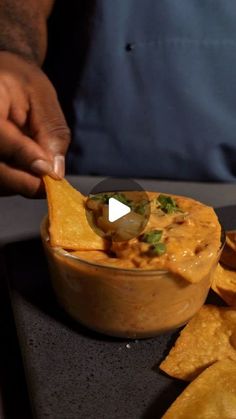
(48,127)
(22,151)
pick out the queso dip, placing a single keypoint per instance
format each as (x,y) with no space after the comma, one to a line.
(182,236)
(144,286)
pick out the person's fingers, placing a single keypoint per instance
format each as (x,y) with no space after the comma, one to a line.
(59,165)
(33,129)
(19,107)
(14,104)
(22,151)
(16,181)
(34,136)
(49,127)
(4,102)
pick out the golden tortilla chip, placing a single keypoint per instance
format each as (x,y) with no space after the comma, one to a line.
(228,255)
(212,395)
(208,337)
(68,225)
(224,284)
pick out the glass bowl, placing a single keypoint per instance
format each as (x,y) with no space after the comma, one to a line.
(131,303)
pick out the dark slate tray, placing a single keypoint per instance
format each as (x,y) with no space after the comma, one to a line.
(73,372)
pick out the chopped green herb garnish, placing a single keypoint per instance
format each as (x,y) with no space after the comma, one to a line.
(141,207)
(122,198)
(159,249)
(167,204)
(103,197)
(138,207)
(152,237)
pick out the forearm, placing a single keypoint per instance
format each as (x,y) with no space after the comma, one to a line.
(23,27)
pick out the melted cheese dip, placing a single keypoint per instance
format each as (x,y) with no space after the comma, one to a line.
(132,290)
(191,235)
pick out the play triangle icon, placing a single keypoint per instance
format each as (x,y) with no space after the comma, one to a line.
(117,209)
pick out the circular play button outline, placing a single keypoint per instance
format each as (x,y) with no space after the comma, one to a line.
(118,209)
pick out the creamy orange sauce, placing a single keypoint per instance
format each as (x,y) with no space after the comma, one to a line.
(192,237)
(155,293)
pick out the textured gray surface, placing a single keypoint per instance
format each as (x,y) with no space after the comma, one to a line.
(14,400)
(71,372)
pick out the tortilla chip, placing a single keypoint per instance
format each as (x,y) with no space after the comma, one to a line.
(208,337)
(228,255)
(224,284)
(212,395)
(68,225)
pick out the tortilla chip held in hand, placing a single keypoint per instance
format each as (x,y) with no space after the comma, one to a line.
(224,284)
(212,395)
(68,225)
(209,336)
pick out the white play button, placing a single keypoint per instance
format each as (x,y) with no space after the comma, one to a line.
(116,209)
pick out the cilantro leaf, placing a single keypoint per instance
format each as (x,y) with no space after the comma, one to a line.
(159,249)
(152,237)
(167,204)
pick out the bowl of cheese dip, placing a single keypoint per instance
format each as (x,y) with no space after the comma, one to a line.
(147,285)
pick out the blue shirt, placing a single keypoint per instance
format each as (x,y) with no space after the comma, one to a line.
(149,87)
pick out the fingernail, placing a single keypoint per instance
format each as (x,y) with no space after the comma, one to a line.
(41,167)
(59,165)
